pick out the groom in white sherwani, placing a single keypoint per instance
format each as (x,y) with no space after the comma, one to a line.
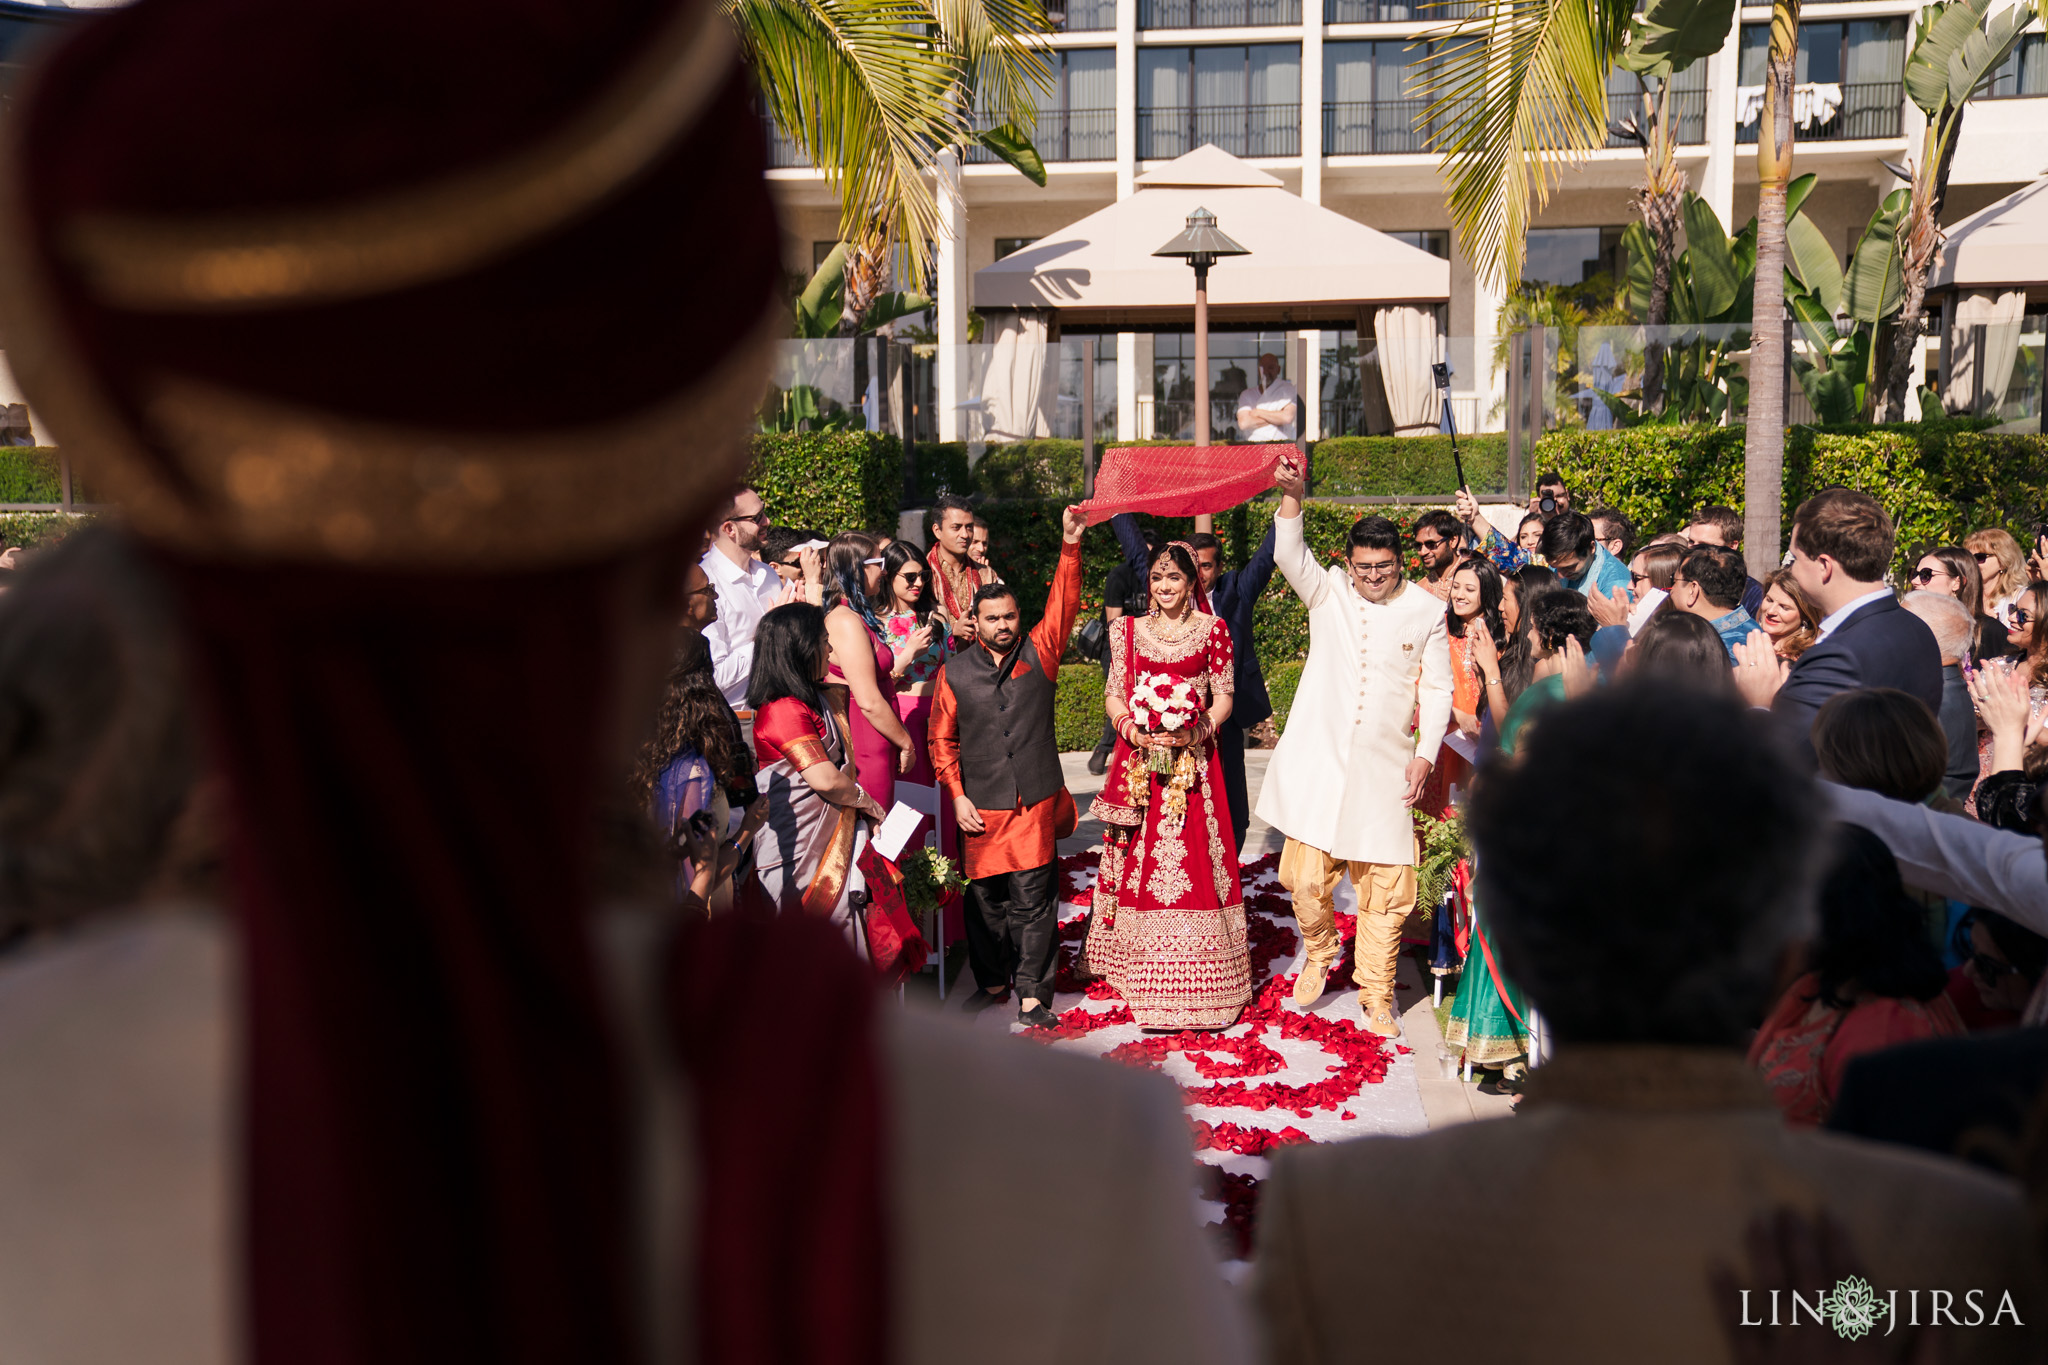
(1350,763)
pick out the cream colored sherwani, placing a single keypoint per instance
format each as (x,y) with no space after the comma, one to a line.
(117,1176)
(1585,1228)
(1338,779)
(1337,786)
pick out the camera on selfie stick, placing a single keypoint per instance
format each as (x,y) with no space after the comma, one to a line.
(1441,373)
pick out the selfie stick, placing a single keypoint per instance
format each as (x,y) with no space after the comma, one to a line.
(1441,372)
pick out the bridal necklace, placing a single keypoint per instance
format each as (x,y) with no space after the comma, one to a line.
(1167,628)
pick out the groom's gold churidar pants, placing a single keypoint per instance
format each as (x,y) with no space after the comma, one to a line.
(1386,895)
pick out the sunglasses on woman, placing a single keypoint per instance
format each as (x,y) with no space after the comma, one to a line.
(1982,556)
(2020,616)
(1928,575)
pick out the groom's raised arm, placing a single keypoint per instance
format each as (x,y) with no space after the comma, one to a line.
(1290,547)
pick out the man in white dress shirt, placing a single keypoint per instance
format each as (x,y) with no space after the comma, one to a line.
(747,590)
(1272,411)
(1349,766)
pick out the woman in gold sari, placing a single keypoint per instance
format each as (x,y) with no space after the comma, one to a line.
(804,854)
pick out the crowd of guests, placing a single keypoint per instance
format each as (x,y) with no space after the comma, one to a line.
(1934,694)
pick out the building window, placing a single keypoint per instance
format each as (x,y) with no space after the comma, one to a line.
(1217,13)
(2024,72)
(1077,114)
(1436,241)
(1246,100)
(1398,11)
(1849,80)
(1688,110)
(1233,368)
(1367,107)
(1006,246)
(1081,16)
(819,251)
(1572,255)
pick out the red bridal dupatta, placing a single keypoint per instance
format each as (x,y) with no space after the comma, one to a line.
(1182,481)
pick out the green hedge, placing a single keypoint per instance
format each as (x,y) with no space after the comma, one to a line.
(830,481)
(1938,480)
(1395,466)
(29,474)
(1077,707)
(32,530)
(1345,466)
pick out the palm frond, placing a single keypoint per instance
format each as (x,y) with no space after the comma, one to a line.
(868,95)
(1001,59)
(1516,96)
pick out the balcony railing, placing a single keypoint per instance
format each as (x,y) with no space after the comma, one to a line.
(1076,135)
(782,153)
(1688,117)
(1081,16)
(1369,127)
(1398,11)
(1217,13)
(1241,130)
(1872,109)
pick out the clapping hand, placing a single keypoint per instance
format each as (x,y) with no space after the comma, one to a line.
(1609,611)
(1759,672)
(1578,675)
(1479,644)
(2007,712)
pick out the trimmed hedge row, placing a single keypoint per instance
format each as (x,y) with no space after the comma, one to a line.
(829,481)
(30,474)
(1938,480)
(1345,466)
(32,530)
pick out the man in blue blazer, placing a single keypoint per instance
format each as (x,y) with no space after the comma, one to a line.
(1841,546)
(1231,597)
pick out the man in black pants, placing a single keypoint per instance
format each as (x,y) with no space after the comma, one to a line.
(993,750)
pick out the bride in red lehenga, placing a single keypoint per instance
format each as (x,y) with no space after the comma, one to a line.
(1168,928)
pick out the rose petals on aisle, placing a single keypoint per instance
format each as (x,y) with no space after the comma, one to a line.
(1319,1065)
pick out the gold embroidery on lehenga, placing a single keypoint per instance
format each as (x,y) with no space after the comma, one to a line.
(1170,883)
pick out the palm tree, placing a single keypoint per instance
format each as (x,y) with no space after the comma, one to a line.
(1954,49)
(870,90)
(1526,97)
(1763,438)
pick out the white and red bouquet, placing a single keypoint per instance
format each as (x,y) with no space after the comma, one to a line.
(1161,704)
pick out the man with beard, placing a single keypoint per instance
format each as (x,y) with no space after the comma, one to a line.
(955,575)
(1438,538)
(746,590)
(994,753)
(1349,765)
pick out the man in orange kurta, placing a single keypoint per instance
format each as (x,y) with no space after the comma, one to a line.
(992,747)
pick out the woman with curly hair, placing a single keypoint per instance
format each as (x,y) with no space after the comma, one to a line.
(697,763)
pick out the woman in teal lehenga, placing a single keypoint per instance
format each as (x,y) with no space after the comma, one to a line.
(1489,1019)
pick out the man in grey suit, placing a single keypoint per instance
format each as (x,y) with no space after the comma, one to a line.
(1841,546)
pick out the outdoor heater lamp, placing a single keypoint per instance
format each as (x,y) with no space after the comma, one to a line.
(1201,246)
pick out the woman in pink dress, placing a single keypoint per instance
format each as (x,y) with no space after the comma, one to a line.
(919,651)
(1168,930)
(862,661)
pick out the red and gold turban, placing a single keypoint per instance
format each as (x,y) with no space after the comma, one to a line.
(418,339)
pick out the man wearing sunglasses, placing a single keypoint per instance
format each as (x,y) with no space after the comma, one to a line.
(1438,538)
(1349,766)
(747,590)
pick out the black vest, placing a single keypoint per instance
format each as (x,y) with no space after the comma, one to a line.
(1005,723)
